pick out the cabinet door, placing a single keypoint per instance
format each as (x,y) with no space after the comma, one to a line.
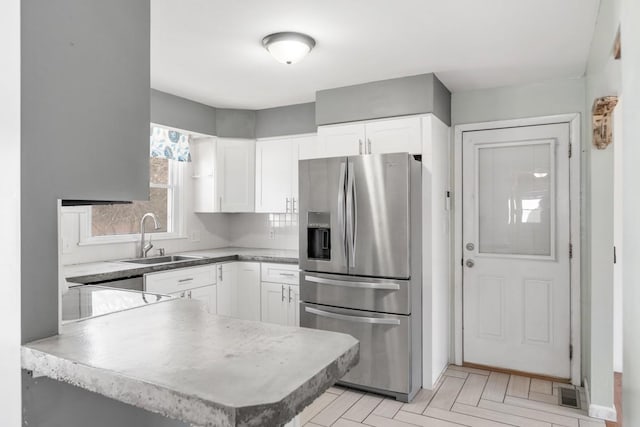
(274,303)
(247,288)
(226,300)
(394,136)
(207,295)
(293,310)
(236,174)
(274,175)
(203,156)
(309,147)
(342,140)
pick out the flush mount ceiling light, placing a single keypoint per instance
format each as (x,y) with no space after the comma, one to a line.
(288,47)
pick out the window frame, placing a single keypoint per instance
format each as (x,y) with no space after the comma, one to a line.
(175,214)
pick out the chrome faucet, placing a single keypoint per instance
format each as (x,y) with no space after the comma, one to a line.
(146,247)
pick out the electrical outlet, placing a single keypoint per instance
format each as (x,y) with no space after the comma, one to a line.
(195,236)
(272,234)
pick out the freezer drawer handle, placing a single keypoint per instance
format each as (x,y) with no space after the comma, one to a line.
(362,285)
(359,319)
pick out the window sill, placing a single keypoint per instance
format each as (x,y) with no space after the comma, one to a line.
(129,238)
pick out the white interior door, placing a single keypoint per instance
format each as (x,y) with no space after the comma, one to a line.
(516,237)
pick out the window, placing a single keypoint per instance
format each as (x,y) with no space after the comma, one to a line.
(121,222)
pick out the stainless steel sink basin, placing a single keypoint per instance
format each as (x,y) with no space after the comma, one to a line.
(162,259)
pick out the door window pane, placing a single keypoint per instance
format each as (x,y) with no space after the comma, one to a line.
(515,198)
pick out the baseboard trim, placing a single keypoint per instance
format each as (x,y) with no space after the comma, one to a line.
(599,411)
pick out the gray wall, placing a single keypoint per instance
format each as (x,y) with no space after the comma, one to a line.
(181,113)
(534,100)
(288,120)
(233,123)
(85,135)
(631,210)
(423,93)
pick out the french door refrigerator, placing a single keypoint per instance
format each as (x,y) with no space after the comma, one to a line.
(360,252)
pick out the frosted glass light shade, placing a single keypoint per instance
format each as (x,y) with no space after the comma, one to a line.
(288,48)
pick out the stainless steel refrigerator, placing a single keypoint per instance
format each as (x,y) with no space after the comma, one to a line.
(360,252)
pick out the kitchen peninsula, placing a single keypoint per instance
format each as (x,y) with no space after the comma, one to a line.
(175,359)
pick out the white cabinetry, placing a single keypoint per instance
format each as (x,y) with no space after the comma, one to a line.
(371,137)
(280,294)
(276,175)
(342,140)
(247,290)
(194,282)
(223,174)
(226,280)
(394,136)
(236,171)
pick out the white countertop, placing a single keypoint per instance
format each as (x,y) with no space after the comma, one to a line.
(176,359)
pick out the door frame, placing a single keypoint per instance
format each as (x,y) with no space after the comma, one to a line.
(573,120)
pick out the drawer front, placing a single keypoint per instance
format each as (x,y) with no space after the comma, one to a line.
(361,293)
(280,273)
(178,280)
(385,344)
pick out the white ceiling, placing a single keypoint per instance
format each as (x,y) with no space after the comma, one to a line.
(210,50)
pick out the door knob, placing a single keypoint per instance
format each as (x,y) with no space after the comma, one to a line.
(470,246)
(470,263)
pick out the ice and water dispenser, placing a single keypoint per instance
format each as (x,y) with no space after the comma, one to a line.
(319,235)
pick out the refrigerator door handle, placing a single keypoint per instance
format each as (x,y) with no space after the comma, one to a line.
(341,206)
(359,319)
(351,215)
(352,284)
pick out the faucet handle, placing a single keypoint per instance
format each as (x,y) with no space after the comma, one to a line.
(160,251)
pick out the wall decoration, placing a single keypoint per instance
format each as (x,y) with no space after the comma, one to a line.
(601,120)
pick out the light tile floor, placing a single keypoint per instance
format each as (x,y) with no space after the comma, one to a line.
(463,397)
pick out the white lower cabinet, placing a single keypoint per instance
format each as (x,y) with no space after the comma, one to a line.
(226,278)
(274,303)
(280,294)
(193,282)
(206,294)
(247,290)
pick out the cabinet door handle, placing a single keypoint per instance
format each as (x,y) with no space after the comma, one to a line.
(282,294)
(289,294)
(220,206)
(188,279)
(220,275)
(360,145)
(293,204)
(369,143)
(189,294)
(287,205)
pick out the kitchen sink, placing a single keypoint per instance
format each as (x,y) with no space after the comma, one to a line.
(162,259)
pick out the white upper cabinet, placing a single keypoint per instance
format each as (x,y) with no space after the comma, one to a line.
(397,135)
(223,174)
(205,192)
(236,172)
(276,173)
(309,147)
(341,140)
(394,136)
